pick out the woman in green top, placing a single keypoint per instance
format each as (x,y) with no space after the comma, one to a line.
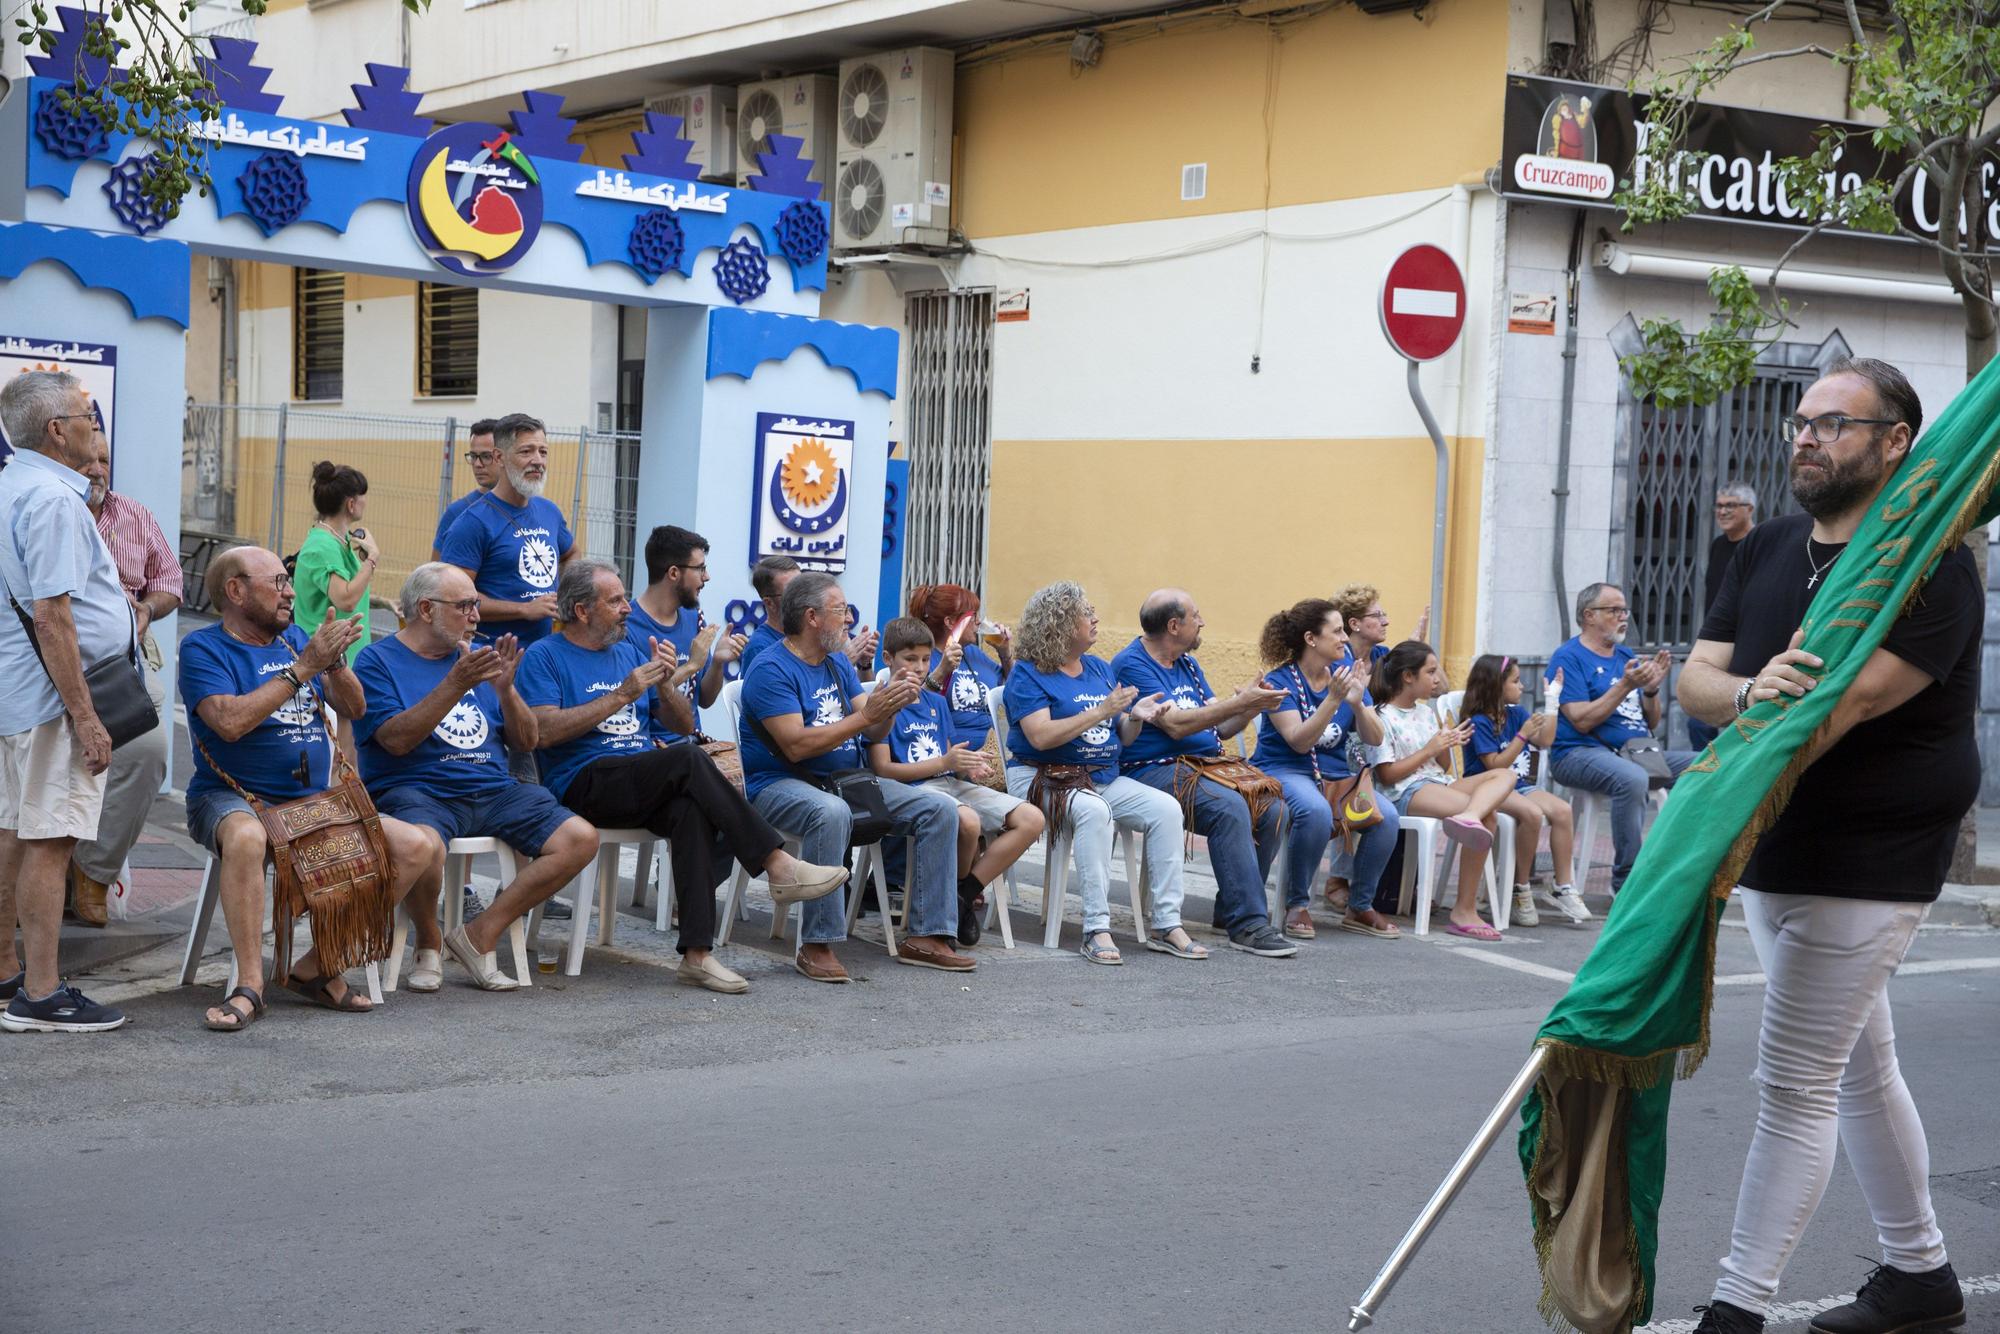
(338,558)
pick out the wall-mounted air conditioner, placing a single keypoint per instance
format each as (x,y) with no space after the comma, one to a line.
(801,107)
(892,117)
(708,121)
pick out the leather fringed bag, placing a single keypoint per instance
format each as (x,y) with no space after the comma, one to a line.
(1049,792)
(330,862)
(1258,789)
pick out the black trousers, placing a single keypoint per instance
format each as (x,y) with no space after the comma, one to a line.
(679,794)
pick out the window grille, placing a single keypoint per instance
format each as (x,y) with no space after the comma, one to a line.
(447,340)
(318,327)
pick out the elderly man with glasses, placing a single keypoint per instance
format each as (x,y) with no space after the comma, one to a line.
(1610,700)
(439,708)
(1735,516)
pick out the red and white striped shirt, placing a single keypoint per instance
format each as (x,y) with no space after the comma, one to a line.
(146,564)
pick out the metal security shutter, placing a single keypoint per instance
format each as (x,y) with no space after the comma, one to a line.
(318,327)
(950,433)
(447,340)
(1678,458)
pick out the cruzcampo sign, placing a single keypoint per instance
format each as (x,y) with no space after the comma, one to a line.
(1581,143)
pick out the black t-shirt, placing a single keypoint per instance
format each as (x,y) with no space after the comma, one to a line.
(1877,816)
(1719,553)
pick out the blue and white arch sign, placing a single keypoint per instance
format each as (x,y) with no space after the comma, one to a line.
(805,469)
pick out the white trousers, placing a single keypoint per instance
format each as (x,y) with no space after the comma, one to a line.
(1826,1070)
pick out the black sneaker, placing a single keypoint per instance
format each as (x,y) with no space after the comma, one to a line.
(1893,1302)
(1722,1318)
(968,917)
(555,910)
(1263,939)
(10,985)
(472,905)
(67,1011)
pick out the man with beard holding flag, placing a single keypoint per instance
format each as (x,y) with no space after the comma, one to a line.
(1841,662)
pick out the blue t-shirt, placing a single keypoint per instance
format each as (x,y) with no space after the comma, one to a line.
(462,757)
(976,677)
(266,758)
(450,516)
(1332,752)
(640,627)
(514,554)
(558,673)
(760,639)
(1030,690)
(923,730)
(1184,685)
(1488,739)
(784,683)
(1586,676)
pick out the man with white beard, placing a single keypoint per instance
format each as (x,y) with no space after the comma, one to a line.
(511,540)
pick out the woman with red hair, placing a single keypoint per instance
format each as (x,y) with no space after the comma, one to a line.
(961,668)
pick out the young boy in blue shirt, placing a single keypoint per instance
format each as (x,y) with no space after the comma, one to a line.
(920,749)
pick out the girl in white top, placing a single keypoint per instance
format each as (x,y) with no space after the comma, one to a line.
(1408,772)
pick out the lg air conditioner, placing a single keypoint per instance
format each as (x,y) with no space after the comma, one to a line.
(708,121)
(892,136)
(801,107)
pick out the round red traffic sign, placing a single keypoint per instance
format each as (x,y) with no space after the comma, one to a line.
(1423,303)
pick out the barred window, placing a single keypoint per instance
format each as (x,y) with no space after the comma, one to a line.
(318,326)
(447,340)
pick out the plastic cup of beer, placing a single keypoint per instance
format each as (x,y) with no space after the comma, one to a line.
(992,634)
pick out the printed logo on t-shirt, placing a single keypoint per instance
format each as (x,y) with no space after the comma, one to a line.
(1331,738)
(464,728)
(538,561)
(1184,696)
(968,692)
(922,744)
(1633,712)
(827,707)
(1098,734)
(301,710)
(625,722)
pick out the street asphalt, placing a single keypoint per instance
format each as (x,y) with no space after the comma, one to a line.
(1232,1144)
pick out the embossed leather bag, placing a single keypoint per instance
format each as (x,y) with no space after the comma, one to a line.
(728,760)
(330,862)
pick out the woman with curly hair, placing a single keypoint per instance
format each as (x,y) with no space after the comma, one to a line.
(1309,743)
(1068,720)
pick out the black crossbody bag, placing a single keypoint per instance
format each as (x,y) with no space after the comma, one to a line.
(117,686)
(859,788)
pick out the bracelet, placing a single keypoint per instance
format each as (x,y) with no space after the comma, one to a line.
(1743,696)
(286,673)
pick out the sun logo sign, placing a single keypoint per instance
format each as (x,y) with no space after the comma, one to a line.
(475,199)
(804,471)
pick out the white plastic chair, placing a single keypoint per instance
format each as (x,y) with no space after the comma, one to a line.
(458,855)
(204,916)
(597,884)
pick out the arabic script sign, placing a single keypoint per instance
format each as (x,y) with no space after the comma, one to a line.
(804,472)
(95,364)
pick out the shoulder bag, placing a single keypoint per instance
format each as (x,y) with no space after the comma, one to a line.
(859,788)
(117,686)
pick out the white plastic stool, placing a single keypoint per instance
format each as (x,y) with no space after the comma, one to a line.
(204,916)
(597,884)
(458,855)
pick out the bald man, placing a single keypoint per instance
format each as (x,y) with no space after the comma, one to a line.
(1174,748)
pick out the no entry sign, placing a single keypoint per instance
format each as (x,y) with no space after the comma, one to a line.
(1423,303)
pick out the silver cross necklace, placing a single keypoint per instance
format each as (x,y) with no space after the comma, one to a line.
(1819,568)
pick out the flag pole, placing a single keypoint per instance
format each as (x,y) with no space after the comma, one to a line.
(1363,1311)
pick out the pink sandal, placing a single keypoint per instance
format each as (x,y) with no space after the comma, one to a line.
(1480,932)
(1468,832)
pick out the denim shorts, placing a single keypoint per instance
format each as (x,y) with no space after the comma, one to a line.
(522,815)
(206,811)
(1403,797)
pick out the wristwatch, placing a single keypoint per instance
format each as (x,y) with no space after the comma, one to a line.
(1743,695)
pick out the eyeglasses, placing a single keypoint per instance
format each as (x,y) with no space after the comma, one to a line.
(480,456)
(1826,427)
(1622,613)
(72,416)
(1732,504)
(281,582)
(691,569)
(463,606)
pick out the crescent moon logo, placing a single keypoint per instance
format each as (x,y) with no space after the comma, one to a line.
(795,478)
(485,222)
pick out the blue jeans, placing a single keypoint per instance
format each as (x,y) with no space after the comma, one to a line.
(820,821)
(1240,855)
(1123,804)
(1603,770)
(1700,734)
(1312,830)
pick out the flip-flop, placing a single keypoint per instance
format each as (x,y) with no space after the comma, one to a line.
(242,1020)
(1480,932)
(1468,833)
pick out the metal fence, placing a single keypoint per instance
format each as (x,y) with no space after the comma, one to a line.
(246,476)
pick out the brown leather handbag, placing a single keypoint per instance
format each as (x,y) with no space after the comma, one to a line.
(331,863)
(728,759)
(1257,788)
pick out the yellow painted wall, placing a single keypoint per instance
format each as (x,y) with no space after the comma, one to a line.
(1247,526)
(1362,106)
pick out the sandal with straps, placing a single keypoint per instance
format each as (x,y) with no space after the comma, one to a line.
(1106,954)
(238,1020)
(317,990)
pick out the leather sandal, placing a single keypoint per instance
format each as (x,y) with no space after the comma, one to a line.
(239,1020)
(318,990)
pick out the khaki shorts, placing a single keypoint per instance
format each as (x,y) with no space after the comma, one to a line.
(44,791)
(992,807)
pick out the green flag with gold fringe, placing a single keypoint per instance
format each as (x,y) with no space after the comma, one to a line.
(1594,1130)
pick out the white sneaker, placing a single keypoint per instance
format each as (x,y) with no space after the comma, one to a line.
(426,971)
(1524,907)
(1565,900)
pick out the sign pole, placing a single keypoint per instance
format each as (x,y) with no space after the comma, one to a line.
(1439,504)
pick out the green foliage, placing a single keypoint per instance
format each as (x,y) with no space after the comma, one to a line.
(160,92)
(1678,369)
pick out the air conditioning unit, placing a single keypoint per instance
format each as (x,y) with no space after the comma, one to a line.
(801,107)
(708,120)
(892,119)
